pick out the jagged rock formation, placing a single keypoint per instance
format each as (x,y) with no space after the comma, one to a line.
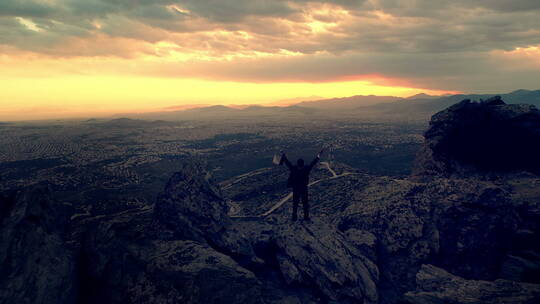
(184,249)
(191,206)
(315,256)
(164,254)
(125,259)
(481,137)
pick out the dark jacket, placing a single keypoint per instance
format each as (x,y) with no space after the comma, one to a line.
(299,176)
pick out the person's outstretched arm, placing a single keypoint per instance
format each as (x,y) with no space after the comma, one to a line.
(314,162)
(286,160)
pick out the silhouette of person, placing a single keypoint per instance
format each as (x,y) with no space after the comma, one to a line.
(299,180)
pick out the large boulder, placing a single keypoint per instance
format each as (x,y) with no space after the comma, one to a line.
(311,256)
(318,254)
(481,138)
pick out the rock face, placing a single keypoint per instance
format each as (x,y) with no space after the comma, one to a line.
(164,254)
(184,249)
(321,255)
(187,250)
(191,206)
(469,227)
(472,226)
(124,259)
(481,137)
(36,264)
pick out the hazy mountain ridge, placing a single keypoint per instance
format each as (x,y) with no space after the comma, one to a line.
(420,103)
(433,105)
(420,106)
(225,112)
(348,102)
(426,96)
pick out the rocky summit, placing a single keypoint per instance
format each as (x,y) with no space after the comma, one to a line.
(465,228)
(481,138)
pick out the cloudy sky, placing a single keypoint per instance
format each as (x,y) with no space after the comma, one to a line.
(61,58)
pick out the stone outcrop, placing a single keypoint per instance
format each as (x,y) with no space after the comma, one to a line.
(469,227)
(191,206)
(318,254)
(164,254)
(481,138)
(125,258)
(187,249)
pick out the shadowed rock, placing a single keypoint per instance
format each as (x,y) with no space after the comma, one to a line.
(191,206)
(128,264)
(319,254)
(470,227)
(36,265)
(479,138)
(436,286)
(314,255)
(162,255)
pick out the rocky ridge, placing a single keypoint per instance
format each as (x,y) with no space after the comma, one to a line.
(457,232)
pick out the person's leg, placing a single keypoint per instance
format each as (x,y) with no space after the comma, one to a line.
(305,204)
(296,200)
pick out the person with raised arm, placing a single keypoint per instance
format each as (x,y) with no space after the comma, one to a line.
(299,181)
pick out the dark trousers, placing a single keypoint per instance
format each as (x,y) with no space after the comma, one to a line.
(300,194)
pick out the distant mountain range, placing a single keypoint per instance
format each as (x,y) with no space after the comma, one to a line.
(426,96)
(226,112)
(432,105)
(348,102)
(420,106)
(423,103)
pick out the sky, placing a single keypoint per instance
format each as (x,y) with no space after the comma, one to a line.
(80,58)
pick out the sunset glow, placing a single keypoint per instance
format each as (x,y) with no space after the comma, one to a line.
(83,58)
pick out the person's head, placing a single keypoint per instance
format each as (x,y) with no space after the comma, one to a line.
(300,162)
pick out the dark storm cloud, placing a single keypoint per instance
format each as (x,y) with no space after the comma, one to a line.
(481,32)
(235,10)
(25,8)
(503,5)
(419,25)
(433,7)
